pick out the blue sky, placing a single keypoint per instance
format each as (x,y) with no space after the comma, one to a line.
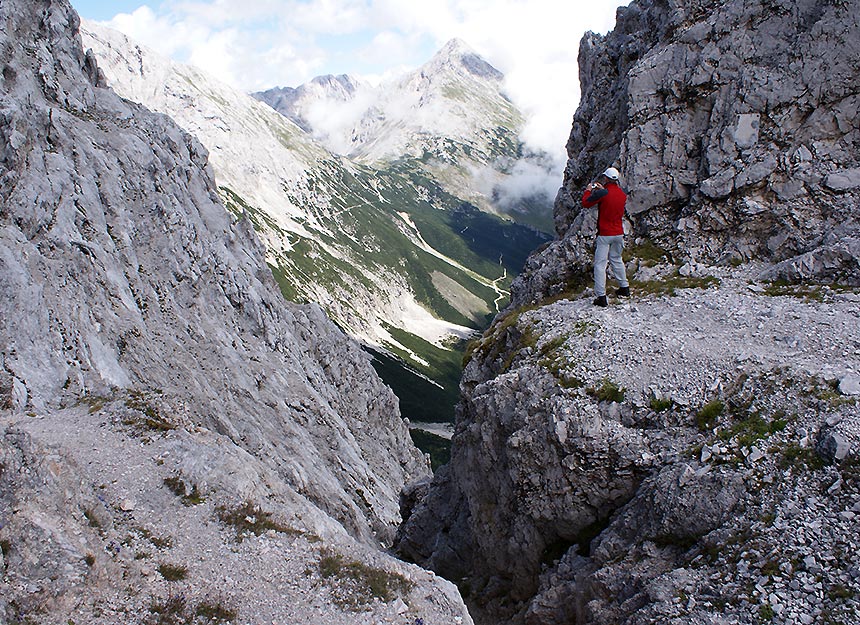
(258,44)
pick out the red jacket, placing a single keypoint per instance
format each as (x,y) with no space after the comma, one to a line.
(610,210)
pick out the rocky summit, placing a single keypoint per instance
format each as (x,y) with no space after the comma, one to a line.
(177,442)
(688,454)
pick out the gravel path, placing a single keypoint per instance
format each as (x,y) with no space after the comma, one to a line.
(691,344)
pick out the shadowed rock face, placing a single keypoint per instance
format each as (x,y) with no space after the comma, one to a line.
(735,128)
(479,67)
(120,269)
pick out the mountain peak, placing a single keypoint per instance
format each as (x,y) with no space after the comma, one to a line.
(457,53)
(455,46)
(341,85)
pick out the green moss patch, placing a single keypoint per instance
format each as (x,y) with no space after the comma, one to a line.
(608,391)
(670,284)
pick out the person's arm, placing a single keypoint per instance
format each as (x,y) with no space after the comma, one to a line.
(593,195)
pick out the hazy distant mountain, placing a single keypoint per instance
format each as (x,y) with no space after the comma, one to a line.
(298,103)
(450,118)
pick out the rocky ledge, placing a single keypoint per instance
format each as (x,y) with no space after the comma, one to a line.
(689,455)
(688,452)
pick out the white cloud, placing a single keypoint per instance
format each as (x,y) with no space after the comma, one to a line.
(528,179)
(387,46)
(257,44)
(535,44)
(333,120)
(330,17)
(160,33)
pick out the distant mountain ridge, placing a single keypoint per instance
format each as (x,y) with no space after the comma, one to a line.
(291,102)
(389,121)
(450,116)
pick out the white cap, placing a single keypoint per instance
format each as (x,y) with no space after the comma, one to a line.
(611,173)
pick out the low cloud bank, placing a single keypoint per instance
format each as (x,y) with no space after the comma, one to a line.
(529,179)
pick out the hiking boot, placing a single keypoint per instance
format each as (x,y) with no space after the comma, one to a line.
(623,291)
(600,301)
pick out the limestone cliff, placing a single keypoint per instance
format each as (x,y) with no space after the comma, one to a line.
(145,348)
(735,127)
(687,455)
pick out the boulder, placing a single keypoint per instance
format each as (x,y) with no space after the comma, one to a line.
(833,446)
(844,180)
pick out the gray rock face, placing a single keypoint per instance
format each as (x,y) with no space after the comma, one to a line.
(126,287)
(735,127)
(642,463)
(121,269)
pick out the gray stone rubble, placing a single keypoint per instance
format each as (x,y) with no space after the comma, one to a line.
(563,505)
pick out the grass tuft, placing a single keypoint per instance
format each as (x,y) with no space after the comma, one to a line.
(750,430)
(796,457)
(648,253)
(608,391)
(173,572)
(147,416)
(660,405)
(178,487)
(175,611)
(707,416)
(95,402)
(355,584)
(170,611)
(251,519)
(670,285)
(215,612)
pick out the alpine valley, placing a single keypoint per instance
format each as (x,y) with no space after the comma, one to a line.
(388,206)
(179,443)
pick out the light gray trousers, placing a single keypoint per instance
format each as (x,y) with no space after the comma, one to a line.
(608,250)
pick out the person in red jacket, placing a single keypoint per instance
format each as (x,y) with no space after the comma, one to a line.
(610,200)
